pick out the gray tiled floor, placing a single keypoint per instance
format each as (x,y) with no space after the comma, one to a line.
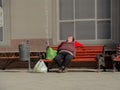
(75,80)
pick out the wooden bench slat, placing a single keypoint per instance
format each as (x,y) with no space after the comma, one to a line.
(17,57)
(116,59)
(118,56)
(75,60)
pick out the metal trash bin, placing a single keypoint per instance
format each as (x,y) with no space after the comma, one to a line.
(24,53)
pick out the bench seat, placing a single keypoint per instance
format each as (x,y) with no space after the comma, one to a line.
(76,60)
(116,58)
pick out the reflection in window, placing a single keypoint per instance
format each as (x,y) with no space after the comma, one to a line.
(104,30)
(83,12)
(85,30)
(66,29)
(66,9)
(103,9)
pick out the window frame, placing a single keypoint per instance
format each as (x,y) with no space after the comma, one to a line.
(96,40)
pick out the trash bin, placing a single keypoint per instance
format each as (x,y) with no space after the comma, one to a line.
(24,52)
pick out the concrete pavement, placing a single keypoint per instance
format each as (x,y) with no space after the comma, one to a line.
(74,80)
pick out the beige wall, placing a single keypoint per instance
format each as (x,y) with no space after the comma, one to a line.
(54,20)
(28,18)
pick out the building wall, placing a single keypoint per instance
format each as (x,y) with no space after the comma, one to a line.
(54,20)
(29,18)
(33,18)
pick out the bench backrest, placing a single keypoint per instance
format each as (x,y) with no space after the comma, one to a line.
(35,45)
(110,49)
(87,51)
(118,51)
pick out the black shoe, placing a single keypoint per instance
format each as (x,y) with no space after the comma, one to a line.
(104,69)
(60,70)
(65,70)
(117,66)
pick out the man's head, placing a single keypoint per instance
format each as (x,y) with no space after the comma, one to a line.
(70,39)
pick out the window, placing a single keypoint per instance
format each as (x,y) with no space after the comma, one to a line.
(85,19)
(4,22)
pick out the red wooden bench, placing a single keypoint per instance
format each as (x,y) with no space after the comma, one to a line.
(10,57)
(83,54)
(116,58)
(10,54)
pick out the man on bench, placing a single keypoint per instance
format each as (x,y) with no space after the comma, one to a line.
(66,52)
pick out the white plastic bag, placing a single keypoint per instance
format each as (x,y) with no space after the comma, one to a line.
(40,67)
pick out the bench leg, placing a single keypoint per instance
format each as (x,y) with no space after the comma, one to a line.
(46,63)
(98,66)
(52,64)
(98,59)
(8,62)
(113,66)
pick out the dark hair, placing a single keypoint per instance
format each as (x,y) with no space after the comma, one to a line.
(73,39)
